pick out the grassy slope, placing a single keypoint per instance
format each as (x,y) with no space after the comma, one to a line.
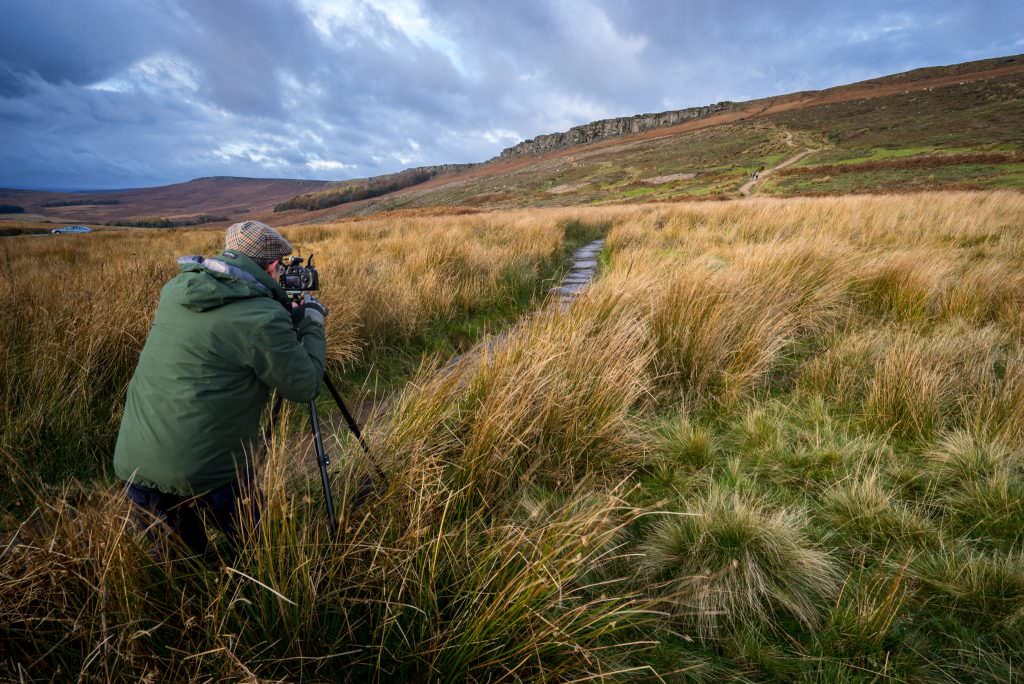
(973,116)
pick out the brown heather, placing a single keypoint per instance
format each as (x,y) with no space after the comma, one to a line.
(775,440)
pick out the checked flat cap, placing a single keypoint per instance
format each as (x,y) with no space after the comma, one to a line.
(258,241)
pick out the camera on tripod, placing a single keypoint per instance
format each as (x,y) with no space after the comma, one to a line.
(296,278)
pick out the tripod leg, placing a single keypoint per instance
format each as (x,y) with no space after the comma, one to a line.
(321,457)
(352,425)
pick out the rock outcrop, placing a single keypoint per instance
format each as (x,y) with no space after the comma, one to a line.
(610,128)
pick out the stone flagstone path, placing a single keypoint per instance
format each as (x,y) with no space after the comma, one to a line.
(584,267)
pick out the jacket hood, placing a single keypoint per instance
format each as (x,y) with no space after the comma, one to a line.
(205,284)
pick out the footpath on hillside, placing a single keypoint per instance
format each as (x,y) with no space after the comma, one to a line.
(759,175)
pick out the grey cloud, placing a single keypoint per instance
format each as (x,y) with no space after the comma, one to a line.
(243,48)
(115,93)
(67,41)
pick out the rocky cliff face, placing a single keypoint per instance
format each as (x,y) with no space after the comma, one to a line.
(610,128)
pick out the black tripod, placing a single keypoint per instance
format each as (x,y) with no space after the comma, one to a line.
(365,485)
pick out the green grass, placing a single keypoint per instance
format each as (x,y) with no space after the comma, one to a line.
(964,176)
(856,156)
(783,477)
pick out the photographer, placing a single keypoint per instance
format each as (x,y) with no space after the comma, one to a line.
(224,335)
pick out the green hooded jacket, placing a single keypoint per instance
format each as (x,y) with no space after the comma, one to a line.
(223,336)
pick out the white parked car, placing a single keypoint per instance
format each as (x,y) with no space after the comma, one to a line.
(72,229)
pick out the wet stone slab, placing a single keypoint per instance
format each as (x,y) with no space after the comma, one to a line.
(584,267)
(568,288)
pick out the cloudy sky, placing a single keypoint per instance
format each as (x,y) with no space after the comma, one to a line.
(124,93)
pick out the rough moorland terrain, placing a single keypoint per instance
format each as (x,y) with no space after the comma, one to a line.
(934,131)
(708,152)
(777,439)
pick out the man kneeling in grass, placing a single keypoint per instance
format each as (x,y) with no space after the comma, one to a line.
(224,335)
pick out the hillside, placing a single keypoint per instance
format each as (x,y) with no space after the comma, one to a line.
(889,134)
(343,192)
(223,196)
(950,127)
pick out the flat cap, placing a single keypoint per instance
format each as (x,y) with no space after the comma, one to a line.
(258,241)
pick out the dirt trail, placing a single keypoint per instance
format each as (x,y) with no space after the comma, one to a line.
(745,188)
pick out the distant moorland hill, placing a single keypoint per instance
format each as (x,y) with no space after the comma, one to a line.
(951,127)
(214,196)
(954,127)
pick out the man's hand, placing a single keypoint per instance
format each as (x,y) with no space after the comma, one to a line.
(313,309)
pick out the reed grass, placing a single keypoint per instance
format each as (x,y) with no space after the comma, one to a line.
(776,440)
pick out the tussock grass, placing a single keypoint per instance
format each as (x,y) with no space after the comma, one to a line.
(550,402)
(729,561)
(400,595)
(683,444)
(794,427)
(722,331)
(869,607)
(961,458)
(863,510)
(905,285)
(977,585)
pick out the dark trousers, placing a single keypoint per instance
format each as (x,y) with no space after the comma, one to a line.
(233,508)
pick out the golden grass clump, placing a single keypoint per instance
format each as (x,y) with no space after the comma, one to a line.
(984,587)
(721,332)
(552,401)
(681,443)
(987,291)
(458,596)
(981,483)
(863,510)
(962,457)
(905,285)
(917,382)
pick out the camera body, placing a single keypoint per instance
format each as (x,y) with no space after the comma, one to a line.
(296,278)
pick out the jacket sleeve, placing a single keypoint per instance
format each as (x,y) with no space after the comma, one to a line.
(294,366)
